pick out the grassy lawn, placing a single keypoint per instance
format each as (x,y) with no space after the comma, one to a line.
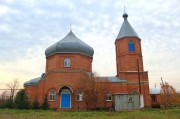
(49,114)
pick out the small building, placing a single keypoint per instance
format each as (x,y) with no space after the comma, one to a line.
(70,59)
(155,97)
(126,102)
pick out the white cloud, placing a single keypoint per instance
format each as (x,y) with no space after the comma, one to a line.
(3,9)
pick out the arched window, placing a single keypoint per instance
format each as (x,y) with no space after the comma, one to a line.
(79,96)
(67,62)
(108,96)
(52,95)
(131,46)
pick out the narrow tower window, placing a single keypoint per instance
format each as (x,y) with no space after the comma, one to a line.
(131,46)
(67,62)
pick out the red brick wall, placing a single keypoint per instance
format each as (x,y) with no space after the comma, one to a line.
(31,92)
(127,61)
(158,102)
(127,67)
(78,62)
(57,75)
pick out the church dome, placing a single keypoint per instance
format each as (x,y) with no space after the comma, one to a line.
(70,44)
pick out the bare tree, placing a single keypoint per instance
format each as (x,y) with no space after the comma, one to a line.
(5,95)
(168,95)
(94,88)
(13,86)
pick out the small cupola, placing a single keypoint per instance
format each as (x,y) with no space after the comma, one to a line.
(70,44)
(126,29)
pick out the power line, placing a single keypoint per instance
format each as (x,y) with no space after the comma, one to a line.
(10,89)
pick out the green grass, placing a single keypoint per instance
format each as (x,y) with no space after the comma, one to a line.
(49,114)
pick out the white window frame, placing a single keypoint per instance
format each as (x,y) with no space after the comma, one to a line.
(67,62)
(79,96)
(52,95)
(108,96)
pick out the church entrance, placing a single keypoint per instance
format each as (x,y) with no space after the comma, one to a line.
(65,99)
(65,96)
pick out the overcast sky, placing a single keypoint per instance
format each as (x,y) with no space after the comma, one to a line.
(28,27)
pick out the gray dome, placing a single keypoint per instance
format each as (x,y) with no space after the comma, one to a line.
(70,44)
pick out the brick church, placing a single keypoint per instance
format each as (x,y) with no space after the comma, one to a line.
(70,58)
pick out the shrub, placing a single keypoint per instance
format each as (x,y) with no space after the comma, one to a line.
(21,100)
(45,104)
(35,104)
(8,104)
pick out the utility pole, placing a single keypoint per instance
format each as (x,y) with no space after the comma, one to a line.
(139,84)
(139,77)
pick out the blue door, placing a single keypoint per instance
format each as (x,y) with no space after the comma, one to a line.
(65,99)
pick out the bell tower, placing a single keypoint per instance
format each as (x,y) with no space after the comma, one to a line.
(129,61)
(128,49)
